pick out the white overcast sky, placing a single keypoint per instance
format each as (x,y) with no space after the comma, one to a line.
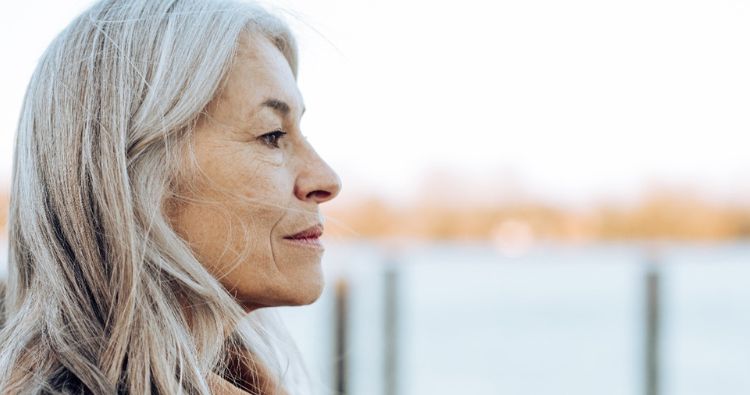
(575,100)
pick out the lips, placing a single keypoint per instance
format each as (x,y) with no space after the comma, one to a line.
(310,234)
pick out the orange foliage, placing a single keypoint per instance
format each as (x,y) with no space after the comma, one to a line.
(663,216)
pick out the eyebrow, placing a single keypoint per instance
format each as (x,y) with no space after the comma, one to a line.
(279,106)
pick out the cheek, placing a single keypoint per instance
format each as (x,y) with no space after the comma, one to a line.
(233,207)
(232,238)
(261,197)
(237,196)
(247,181)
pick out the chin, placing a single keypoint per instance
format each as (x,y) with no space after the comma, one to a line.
(307,293)
(304,281)
(294,293)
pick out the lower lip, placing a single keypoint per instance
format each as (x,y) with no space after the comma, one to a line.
(309,243)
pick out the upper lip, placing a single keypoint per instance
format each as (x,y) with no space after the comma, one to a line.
(312,232)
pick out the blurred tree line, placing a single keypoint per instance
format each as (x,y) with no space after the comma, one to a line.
(659,216)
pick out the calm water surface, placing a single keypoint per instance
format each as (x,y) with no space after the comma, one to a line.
(558,320)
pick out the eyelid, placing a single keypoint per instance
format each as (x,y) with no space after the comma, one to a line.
(271,139)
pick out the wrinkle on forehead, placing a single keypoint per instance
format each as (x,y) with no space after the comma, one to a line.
(258,73)
(274,79)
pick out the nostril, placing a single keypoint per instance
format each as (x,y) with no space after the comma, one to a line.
(319,195)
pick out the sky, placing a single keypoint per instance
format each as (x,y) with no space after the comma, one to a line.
(567,101)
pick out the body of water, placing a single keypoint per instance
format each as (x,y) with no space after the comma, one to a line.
(557,320)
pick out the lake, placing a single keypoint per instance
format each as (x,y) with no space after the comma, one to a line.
(556,320)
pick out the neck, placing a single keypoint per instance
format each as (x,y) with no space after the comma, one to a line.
(248,374)
(245,373)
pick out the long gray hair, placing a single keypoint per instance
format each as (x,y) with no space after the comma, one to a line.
(98,279)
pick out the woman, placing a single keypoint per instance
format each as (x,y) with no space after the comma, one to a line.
(162,191)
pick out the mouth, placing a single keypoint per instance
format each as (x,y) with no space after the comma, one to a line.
(309,237)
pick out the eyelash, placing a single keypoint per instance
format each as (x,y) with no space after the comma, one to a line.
(271,139)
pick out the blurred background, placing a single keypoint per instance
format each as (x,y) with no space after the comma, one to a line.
(540,197)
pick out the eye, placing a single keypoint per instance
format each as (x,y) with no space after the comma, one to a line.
(271,139)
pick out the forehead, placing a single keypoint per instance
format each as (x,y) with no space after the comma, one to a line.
(259,72)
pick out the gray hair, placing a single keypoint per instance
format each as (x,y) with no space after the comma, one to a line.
(98,279)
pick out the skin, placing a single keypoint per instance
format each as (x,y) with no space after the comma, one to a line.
(254,187)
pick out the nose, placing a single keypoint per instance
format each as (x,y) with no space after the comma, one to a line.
(316,182)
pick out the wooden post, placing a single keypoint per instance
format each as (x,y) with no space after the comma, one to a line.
(391,329)
(341,336)
(652,363)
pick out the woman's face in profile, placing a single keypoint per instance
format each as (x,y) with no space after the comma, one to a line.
(251,215)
